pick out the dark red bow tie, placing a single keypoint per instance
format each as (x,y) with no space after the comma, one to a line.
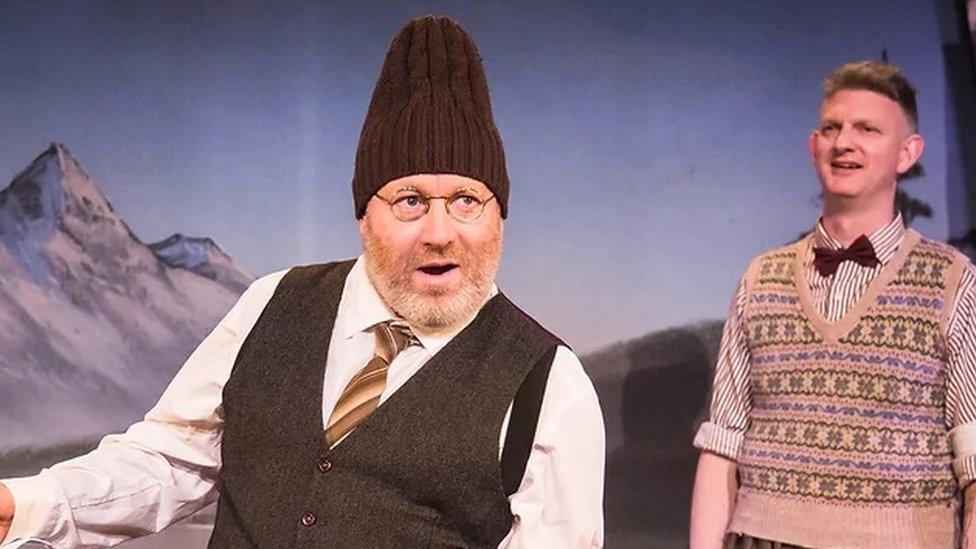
(860,251)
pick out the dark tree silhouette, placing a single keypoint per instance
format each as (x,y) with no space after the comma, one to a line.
(909,206)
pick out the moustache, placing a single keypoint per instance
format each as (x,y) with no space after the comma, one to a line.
(439,255)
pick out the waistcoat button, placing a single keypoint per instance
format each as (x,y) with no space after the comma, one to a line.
(308,519)
(325,465)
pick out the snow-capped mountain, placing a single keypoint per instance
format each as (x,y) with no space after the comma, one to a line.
(204,257)
(92,323)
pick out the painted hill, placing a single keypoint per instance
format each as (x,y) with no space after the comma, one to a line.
(654,392)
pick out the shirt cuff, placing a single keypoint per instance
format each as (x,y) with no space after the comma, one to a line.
(719,440)
(963,441)
(36,500)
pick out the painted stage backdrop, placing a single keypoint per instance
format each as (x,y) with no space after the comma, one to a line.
(158,156)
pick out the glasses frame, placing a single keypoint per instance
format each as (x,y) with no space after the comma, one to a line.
(427,199)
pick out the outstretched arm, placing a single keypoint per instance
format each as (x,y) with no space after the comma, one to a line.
(160,470)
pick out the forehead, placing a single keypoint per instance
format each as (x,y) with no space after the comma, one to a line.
(862,104)
(436,184)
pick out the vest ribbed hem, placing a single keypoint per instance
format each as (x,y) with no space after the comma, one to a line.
(817,524)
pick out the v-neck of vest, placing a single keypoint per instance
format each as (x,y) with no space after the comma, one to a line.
(833,331)
(435,362)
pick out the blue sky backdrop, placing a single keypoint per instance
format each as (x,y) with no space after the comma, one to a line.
(653,147)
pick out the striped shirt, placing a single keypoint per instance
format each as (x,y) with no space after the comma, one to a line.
(834,295)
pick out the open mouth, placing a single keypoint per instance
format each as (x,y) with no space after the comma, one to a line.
(438,269)
(845,165)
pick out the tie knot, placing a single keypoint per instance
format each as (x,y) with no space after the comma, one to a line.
(392,337)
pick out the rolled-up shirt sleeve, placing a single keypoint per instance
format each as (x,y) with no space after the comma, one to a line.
(731,403)
(961,383)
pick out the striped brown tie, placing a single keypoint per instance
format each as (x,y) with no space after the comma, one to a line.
(362,395)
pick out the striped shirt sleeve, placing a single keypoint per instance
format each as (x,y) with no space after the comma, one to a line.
(961,384)
(731,403)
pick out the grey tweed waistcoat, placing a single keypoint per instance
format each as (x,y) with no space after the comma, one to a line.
(421,471)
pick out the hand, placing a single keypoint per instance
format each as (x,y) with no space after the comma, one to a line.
(6,511)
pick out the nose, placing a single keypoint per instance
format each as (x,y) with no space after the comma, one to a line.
(844,140)
(438,229)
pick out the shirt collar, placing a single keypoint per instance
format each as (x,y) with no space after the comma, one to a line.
(885,240)
(361,308)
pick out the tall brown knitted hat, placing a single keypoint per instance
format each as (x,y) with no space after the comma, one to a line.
(430,113)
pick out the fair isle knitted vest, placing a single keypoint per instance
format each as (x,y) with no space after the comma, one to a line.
(847,444)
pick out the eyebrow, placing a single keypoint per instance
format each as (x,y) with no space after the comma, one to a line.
(855,122)
(412,188)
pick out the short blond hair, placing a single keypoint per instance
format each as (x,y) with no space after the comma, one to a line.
(879,77)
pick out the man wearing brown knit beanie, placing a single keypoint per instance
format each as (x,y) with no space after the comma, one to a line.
(395,400)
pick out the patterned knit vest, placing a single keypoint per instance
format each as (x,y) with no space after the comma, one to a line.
(847,444)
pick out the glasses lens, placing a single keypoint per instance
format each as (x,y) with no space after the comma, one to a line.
(465,207)
(410,207)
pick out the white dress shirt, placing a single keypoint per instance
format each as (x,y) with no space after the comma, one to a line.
(165,467)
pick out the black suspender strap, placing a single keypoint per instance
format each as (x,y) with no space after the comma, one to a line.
(523,421)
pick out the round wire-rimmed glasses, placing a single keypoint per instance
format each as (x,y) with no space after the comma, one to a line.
(463,206)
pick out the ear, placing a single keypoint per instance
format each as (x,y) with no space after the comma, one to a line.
(910,152)
(362,224)
(812,145)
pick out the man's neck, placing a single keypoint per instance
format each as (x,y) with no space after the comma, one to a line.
(846,224)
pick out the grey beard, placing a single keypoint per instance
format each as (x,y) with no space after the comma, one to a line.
(434,312)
